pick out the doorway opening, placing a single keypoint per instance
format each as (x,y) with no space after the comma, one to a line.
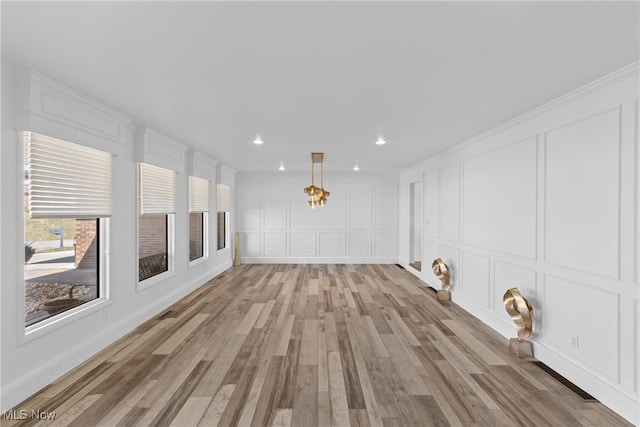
(415,225)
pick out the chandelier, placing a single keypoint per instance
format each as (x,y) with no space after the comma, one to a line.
(317,195)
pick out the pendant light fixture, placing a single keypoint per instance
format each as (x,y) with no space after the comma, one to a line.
(317,196)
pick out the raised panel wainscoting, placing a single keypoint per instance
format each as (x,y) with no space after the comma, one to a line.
(548,203)
(358,224)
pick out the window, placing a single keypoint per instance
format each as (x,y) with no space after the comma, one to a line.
(67,200)
(196,235)
(155,221)
(224,208)
(153,247)
(223,227)
(198,217)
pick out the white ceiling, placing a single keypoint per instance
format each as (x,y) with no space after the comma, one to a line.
(321,76)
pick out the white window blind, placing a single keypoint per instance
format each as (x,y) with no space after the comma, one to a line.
(66,180)
(157,190)
(198,194)
(223,198)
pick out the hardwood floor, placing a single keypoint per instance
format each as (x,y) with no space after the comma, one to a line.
(312,345)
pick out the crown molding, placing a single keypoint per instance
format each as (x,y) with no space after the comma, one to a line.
(626,72)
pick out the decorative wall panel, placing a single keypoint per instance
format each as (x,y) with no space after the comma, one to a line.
(250,244)
(450,200)
(274,243)
(47,107)
(275,205)
(359,244)
(386,202)
(359,206)
(583,322)
(583,194)
(302,244)
(249,208)
(500,199)
(384,244)
(197,164)
(550,203)
(157,149)
(332,244)
(431,203)
(475,275)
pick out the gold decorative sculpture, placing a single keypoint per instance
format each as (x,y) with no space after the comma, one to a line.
(521,313)
(443,274)
(236,250)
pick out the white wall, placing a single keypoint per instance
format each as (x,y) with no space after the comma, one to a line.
(358,224)
(31,361)
(548,203)
(418,220)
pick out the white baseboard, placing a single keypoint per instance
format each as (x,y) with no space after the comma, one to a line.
(318,260)
(22,388)
(617,400)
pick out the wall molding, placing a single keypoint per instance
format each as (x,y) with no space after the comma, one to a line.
(226,175)
(546,218)
(606,360)
(154,148)
(197,164)
(17,391)
(594,368)
(626,72)
(334,232)
(46,106)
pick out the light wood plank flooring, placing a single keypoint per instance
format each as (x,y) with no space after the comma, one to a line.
(312,345)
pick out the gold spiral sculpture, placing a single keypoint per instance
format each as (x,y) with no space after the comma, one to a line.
(442,272)
(521,313)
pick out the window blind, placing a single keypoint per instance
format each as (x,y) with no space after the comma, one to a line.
(198,194)
(223,198)
(66,180)
(157,189)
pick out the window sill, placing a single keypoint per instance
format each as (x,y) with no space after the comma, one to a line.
(61,320)
(151,281)
(198,261)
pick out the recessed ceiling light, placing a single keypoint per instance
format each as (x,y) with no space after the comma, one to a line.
(258,140)
(281,168)
(380,141)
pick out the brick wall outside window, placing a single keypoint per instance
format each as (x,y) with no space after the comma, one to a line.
(86,244)
(196,249)
(152,235)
